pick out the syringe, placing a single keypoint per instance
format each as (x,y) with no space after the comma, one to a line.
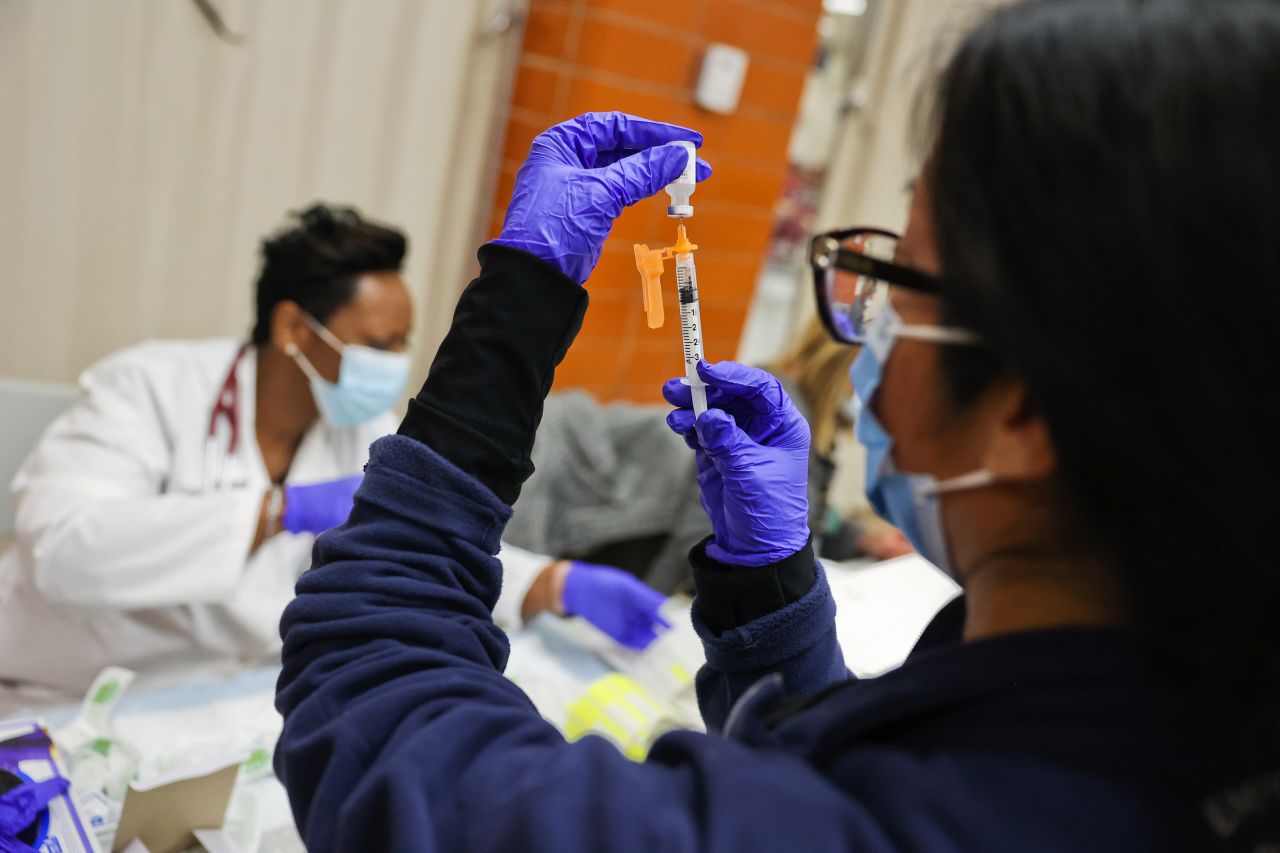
(690,319)
(649,263)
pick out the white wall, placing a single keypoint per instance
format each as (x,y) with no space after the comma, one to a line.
(142,158)
(877,158)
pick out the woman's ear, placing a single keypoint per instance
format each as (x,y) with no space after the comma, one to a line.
(288,325)
(1019,447)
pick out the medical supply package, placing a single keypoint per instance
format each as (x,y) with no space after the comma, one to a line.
(28,756)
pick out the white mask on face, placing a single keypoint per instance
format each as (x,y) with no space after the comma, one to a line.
(370,381)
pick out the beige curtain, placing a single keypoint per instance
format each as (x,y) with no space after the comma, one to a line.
(877,157)
(142,157)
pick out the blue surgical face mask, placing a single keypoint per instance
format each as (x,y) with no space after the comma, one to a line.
(910,502)
(370,381)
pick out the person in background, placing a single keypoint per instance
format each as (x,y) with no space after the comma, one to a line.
(163,520)
(611,483)
(1110,678)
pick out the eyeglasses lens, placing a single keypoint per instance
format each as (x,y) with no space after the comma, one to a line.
(855,298)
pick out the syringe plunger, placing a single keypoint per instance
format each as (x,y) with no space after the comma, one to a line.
(698,389)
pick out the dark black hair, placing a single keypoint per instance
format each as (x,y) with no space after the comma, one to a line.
(1105,179)
(317,261)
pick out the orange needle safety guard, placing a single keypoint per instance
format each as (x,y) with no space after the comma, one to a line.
(649,262)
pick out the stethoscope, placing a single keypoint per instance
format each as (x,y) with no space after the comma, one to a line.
(222,462)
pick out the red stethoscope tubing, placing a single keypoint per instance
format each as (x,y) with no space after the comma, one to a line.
(227,403)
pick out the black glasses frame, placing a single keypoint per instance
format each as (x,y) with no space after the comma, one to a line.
(826,254)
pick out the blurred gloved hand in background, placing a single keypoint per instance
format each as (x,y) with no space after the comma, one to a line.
(616,602)
(752,449)
(579,176)
(316,507)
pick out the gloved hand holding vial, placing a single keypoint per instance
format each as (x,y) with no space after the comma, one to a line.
(649,263)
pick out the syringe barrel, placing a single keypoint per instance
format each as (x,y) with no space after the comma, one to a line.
(690,313)
(691,328)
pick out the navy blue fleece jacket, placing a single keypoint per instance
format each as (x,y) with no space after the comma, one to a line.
(402,734)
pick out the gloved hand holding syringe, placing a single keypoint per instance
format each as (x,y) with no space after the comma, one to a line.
(649,263)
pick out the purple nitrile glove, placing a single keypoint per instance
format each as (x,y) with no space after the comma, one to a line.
(579,176)
(752,451)
(20,806)
(316,507)
(618,603)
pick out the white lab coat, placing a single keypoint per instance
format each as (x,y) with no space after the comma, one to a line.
(131,552)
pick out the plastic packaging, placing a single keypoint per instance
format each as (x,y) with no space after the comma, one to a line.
(101,765)
(28,756)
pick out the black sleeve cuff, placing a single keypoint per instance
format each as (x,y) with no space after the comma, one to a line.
(732,596)
(482,400)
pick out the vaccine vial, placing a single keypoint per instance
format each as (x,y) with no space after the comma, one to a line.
(681,189)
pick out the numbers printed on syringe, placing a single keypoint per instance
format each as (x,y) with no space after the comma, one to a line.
(690,319)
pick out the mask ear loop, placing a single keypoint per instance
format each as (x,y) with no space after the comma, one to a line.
(291,349)
(325,335)
(972,480)
(951,335)
(304,364)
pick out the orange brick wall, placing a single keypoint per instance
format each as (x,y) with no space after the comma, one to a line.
(642,56)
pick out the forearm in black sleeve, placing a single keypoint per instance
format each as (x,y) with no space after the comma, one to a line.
(732,596)
(482,400)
